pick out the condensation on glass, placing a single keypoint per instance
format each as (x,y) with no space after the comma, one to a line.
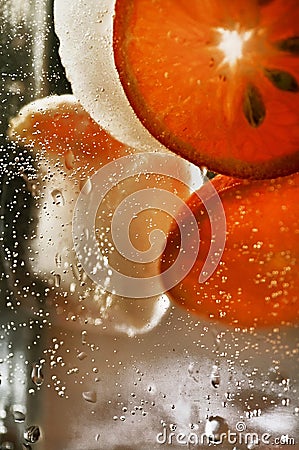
(70,382)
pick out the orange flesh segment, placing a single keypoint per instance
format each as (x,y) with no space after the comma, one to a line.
(56,126)
(256,281)
(176,77)
(60,126)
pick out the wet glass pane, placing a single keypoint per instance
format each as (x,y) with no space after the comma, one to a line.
(93,352)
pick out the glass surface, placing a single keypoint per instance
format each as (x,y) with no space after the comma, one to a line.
(72,377)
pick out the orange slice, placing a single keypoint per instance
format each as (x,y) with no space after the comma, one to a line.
(216,81)
(55,128)
(69,148)
(61,127)
(256,281)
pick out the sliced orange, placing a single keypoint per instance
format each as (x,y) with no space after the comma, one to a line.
(61,127)
(216,81)
(69,147)
(256,283)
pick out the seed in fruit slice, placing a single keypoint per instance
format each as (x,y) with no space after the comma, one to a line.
(256,282)
(215,81)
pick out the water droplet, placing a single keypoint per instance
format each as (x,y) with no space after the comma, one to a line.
(193,372)
(82,355)
(57,197)
(204,170)
(275,376)
(254,413)
(32,434)
(7,446)
(69,159)
(3,429)
(83,337)
(18,416)
(86,186)
(229,396)
(215,376)
(57,280)
(58,260)
(37,375)
(76,272)
(72,288)
(90,396)
(26,446)
(215,426)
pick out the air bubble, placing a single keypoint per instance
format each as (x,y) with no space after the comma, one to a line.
(90,396)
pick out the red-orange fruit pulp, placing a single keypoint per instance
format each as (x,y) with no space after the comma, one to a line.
(216,81)
(256,281)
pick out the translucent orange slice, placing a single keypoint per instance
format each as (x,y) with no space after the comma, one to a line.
(61,127)
(256,281)
(69,148)
(216,81)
